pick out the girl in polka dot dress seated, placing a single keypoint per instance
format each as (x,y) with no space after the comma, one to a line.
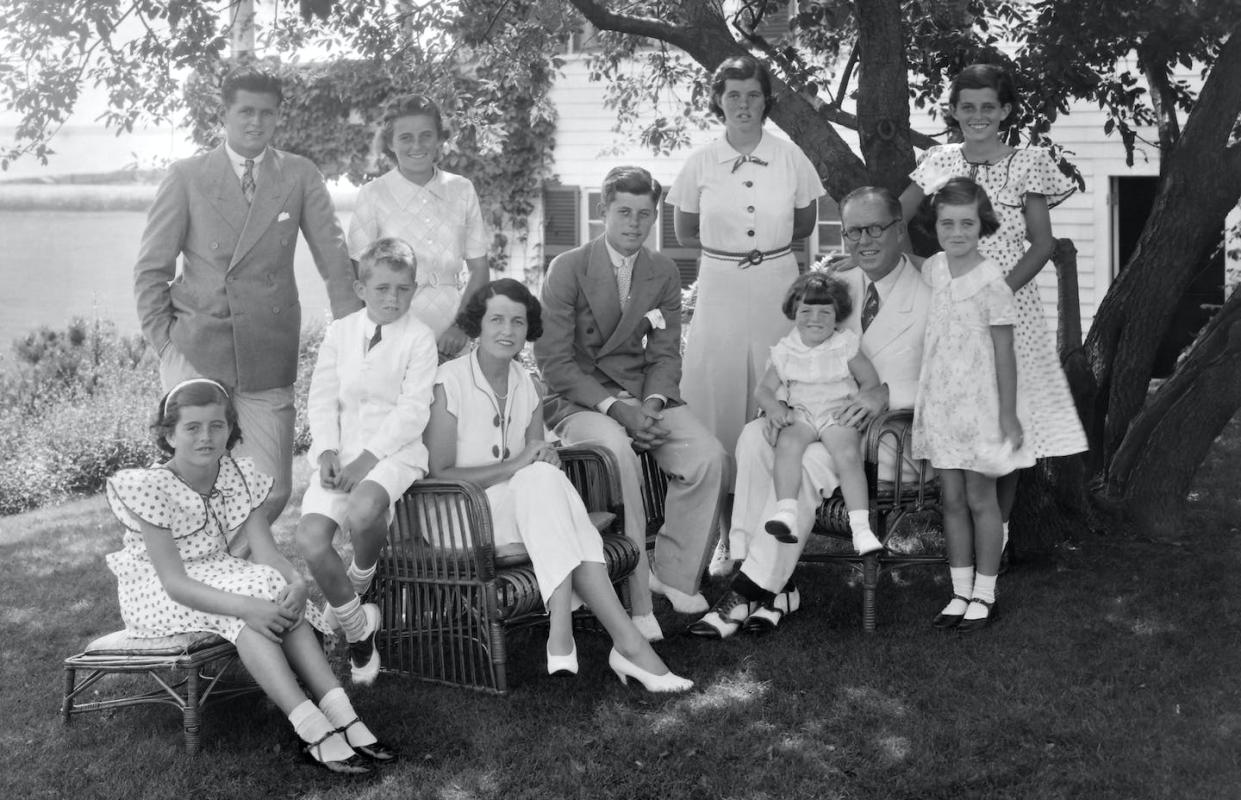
(176,575)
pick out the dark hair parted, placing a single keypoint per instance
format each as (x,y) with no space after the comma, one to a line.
(740,68)
(470,318)
(964,192)
(816,288)
(890,201)
(392,252)
(407,105)
(630,180)
(250,79)
(985,76)
(201,392)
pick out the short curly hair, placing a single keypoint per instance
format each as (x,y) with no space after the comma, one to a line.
(964,192)
(817,288)
(470,318)
(192,393)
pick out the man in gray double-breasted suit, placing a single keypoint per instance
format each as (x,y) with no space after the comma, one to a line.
(231,312)
(610,354)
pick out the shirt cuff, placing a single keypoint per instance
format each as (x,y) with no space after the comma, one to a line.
(663,401)
(603,405)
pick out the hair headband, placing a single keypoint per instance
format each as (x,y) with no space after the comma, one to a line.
(163,409)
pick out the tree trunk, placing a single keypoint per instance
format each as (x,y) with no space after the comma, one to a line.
(1201,183)
(883,95)
(1155,465)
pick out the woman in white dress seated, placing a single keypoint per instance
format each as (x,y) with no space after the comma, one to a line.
(487,428)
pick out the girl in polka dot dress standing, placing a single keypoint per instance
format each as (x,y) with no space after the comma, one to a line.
(176,575)
(1023,185)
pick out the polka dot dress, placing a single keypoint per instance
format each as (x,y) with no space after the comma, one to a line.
(1054,428)
(199,525)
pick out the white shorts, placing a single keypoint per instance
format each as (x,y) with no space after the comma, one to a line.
(393,476)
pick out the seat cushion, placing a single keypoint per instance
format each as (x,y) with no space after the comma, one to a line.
(515,555)
(517,589)
(120,643)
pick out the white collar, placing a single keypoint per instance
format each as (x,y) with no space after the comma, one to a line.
(887,283)
(619,260)
(239,161)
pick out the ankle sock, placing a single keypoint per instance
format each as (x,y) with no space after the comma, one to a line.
(743,585)
(339,711)
(963,585)
(311,724)
(984,589)
(360,578)
(1004,541)
(352,619)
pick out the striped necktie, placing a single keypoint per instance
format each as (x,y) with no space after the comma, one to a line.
(871,307)
(247,181)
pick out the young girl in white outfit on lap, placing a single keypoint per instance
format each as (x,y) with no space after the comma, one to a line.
(814,372)
(176,575)
(968,418)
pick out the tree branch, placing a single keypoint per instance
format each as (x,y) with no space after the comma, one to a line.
(652,28)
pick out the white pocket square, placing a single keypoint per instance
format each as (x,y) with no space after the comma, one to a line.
(283,216)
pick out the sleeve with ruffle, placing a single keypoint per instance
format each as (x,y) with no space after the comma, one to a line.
(136,496)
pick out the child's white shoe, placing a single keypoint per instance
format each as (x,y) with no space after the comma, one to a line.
(782,526)
(866,542)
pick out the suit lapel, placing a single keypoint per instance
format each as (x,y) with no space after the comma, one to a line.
(273,188)
(600,289)
(894,318)
(641,291)
(221,186)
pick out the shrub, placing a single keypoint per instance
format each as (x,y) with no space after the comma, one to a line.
(75,406)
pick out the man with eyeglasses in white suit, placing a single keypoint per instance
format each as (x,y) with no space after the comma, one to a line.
(890,304)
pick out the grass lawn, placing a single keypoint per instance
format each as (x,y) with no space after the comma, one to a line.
(1111,673)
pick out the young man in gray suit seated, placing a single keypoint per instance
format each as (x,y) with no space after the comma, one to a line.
(890,303)
(611,357)
(231,312)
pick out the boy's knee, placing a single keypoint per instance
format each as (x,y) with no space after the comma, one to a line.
(364,513)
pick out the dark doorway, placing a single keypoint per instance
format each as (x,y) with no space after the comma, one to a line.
(1132,200)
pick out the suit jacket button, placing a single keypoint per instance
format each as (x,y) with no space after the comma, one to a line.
(215,245)
(284,242)
(590,330)
(275,309)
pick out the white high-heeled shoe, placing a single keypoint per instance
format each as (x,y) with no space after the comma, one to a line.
(562,666)
(626,669)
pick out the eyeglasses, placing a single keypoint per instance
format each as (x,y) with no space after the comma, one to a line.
(873,231)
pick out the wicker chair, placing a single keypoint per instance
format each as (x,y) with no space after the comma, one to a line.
(188,670)
(904,512)
(448,600)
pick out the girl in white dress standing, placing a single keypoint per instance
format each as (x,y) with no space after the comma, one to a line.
(1022,184)
(435,211)
(175,574)
(967,418)
(744,200)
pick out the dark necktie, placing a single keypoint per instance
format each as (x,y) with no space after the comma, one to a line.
(247,181)
(376,338)
(871,307)
(751,159)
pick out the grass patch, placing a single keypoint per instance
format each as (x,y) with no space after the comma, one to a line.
(1110,674)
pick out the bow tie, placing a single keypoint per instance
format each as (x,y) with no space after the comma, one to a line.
(752,159)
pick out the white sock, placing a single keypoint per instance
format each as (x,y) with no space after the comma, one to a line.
(351,619)
(336,707)
(311,725)
(789,505)
(1004,541)
(984,589)
(360,578)
(962,585)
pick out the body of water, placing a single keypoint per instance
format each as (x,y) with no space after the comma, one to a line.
(57,265)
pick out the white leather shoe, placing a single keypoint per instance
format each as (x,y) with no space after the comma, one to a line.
(626,669)
(648,626)
(562,666)
(725,617)
(682,603)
